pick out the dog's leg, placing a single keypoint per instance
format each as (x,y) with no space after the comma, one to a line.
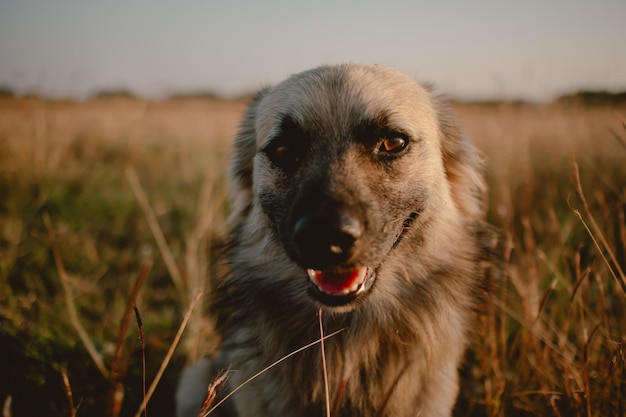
(441,392)
(192,388)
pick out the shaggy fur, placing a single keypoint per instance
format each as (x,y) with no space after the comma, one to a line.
(342,172)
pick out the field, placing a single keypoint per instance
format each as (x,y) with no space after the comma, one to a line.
(111,211)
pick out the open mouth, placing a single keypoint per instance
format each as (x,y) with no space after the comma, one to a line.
(335,288)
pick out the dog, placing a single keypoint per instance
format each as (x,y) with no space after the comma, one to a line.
(358,201)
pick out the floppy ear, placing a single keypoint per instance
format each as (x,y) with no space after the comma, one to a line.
(244,149)
(463,164)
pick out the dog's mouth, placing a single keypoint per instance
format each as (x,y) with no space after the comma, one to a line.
(339,287)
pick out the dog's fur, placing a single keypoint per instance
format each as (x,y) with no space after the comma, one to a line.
(335,169)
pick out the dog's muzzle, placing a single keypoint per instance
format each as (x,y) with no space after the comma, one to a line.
(327,246)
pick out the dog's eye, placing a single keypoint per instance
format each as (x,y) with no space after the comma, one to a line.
(283,155)
(392,144)
(287,148)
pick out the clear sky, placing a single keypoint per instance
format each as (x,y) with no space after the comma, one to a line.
(469,49)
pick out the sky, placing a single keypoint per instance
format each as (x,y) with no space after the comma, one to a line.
(532,50)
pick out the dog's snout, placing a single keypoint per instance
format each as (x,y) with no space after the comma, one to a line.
(323,241)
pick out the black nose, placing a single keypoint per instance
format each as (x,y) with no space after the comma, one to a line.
(324,241)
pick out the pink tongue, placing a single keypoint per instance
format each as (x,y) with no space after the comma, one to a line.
(335,282)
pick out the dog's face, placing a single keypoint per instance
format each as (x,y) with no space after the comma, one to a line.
(346,165)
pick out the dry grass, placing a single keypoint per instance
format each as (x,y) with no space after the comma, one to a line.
(551,341)
(125,184)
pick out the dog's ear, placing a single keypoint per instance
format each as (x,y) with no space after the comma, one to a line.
(244,149)
(463,164)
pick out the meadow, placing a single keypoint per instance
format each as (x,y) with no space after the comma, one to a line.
(112,213)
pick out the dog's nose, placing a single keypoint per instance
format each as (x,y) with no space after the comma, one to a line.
(324,241)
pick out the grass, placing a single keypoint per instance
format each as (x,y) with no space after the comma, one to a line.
(551,342)
(115,205)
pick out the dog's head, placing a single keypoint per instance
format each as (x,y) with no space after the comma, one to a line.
(351,169)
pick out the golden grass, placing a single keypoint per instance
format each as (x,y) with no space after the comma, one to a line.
(128,183)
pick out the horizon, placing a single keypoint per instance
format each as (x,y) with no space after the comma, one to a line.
(472,52)
(600,96)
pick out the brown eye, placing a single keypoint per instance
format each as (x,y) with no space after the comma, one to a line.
(392,144)
(282,153)
(284,156)
(288,147)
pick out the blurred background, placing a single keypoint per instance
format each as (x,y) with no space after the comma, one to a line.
(473,50)
(116,120)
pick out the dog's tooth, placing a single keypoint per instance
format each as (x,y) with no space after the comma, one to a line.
(313,276)
(362,275)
